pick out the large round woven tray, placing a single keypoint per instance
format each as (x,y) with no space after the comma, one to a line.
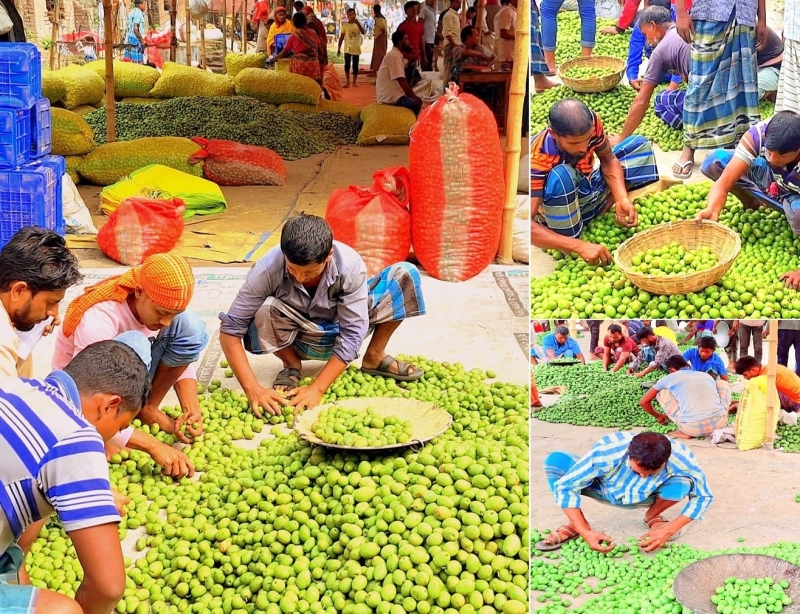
(695,585)
(428,420)
(594,84)
(692,235)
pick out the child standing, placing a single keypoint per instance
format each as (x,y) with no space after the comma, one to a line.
(352,33)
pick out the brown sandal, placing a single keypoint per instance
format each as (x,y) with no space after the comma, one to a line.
(557,538)
(659,521)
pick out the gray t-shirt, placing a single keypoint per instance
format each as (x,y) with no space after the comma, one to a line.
(672,54)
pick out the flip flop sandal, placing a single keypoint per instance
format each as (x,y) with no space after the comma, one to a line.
(406,373)
(686,169)
(288,378)
(656,522)
(566,529)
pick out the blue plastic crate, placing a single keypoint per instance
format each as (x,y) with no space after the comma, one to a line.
(41,131)
(20,75)
(31,196)
(59,166)
(15,137)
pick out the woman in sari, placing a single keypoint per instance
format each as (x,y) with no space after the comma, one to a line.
(303,44)
(380,40)
(280,26)
(134,51)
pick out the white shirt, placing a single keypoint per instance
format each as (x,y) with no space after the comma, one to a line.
(451,26)
(506,19)
(393,67)
(9,345)
(791,20)
(428,16)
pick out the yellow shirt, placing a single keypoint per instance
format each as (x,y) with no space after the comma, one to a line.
(274,29)
(380,26)
(352,38)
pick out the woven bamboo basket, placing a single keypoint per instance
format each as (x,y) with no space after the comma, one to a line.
(595,84)
(723,241)
(694,586)
(428,420)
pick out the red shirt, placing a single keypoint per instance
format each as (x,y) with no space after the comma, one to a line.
(629,10)
(416,34)
(627,345)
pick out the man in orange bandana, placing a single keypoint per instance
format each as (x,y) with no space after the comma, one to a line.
(150,300)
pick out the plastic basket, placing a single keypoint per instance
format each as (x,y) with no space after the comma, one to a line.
(31,196)
(15,137)
(594,84)
(20,75)
(59,166)
(691,234)
(41,130)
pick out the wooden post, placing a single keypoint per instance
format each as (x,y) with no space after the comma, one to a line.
(516,101)
(244,26)
(111,126)
(188,29)
(773,402)
(480,23)
(54,35)
(224,30)
(202,43)
(173,26)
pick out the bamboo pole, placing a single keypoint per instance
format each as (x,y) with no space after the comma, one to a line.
(202,43)
(188,30)
(173,26)
(224,30)
(111,124)
(516,100)
(244,26)
(54,35)
(773,403)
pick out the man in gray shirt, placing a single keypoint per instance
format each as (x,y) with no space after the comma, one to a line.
(310,299)
(428,16)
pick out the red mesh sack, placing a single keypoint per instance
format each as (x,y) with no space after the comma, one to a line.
(141,227)
(232,163)
(155,42)
(457,187)
(374,221)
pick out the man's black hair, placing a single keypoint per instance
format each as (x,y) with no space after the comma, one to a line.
(676,362)
(504,2)
(650,450)
(41,259)
(745,363)
(561,330)
(299,20)
(397,37)
(376,8)
(306,239)
(708,343)
(409,5)
(299,5)
(570,117)
(783,132)
(644,334)
(111,367)
(655,14)
(615,328)
(466,33)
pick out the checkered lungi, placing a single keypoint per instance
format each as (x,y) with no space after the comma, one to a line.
(722,98)
(668,107)
(394,295)
(538,65)
(788,98)
(700,428)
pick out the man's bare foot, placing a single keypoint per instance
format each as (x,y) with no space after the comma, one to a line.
(346,85)
(354,84)
(679,435)
(542,83)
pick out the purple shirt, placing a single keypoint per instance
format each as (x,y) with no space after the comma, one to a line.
(672,54)
(746,11)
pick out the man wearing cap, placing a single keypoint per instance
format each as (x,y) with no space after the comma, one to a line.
(559,344)
(150,299)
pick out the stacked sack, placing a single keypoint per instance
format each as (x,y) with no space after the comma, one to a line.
(30,179)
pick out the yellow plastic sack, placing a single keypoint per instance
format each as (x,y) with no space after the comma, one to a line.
(201,196)
(178,81)
(73,162)
(72,136)
(112,162)
(82,110)
(53,87)
(83,86)
(386,125)
(277,87)
(751,417)
(129,79)
(237,62)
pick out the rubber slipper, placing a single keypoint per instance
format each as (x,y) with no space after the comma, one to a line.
(288,378)
(542,546)
(406,373)
(686,169)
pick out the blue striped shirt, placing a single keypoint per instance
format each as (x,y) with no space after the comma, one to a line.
(607,461)
(53,459)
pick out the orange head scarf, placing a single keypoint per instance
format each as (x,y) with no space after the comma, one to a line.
(167,280)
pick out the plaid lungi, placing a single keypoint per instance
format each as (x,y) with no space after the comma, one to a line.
(557,464)
(136,53)
(538,65)
(394,294)
(699,428)
(789,83)
(668,107)
(571,199)
(722,98)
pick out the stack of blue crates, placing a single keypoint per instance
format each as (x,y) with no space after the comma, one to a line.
(30,178)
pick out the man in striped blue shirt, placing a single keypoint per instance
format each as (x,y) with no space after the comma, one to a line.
(627,470)
(52,434)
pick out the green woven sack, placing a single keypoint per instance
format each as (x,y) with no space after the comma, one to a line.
(178,81)
(83,85)
(386,125)
(129,79)
(72,136)
(237,62)
(53,87)
(277,87)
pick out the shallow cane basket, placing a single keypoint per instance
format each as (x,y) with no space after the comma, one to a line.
(692,235)
(695,585)
(427,419)
(593,85)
